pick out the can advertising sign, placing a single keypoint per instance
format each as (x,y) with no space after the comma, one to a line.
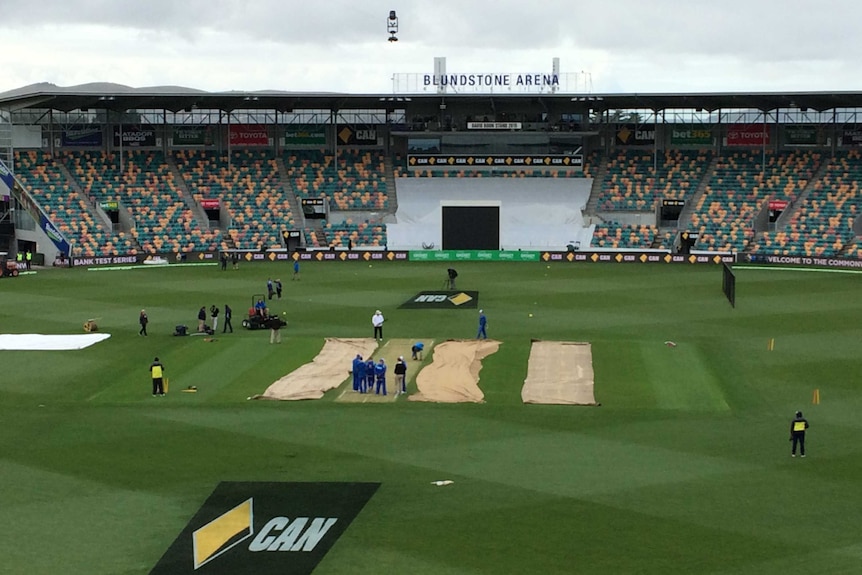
(494,161)
(210,204)
(635,135)
(851,137)
(800,135)
(353,136)
(690,135)
(135,137)
(248,135)
(81,136)
(192,136)
(748,135)
(265,528)
(307,136)
(442,300)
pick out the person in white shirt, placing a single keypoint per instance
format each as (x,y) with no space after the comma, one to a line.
(377,322)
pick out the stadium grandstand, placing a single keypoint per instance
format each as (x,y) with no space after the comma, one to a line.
(107,171)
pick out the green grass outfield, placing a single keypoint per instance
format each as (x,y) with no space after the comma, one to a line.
(684,469)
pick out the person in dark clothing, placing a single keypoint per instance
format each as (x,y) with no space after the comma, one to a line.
(452,274)
(214,314)
(369,374)
(157,371)
(270,289)
(202,319)
(234,258)
(400,376)
(143,320)
(797,434)
(278,288)
(227,315)
(275,324)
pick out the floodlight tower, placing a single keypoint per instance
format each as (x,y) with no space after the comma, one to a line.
(392,26)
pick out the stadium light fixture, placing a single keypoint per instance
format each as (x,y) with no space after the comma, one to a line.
(392,26)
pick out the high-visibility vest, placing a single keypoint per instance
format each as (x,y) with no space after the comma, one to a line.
(157,371)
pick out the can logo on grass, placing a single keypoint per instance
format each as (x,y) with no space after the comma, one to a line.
(442,300)
(265,528)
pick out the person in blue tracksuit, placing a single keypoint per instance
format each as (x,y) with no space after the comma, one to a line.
(369,375)
(483,324)
(380,376)
(358,379)
(360,369)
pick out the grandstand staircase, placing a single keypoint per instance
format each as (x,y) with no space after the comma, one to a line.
(596,190)
(316,226)
(98,215)
(699,192)
(186,194)
(788,214)
(290,193)
(389,171)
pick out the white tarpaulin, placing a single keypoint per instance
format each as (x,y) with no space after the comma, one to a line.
(559,372)
(36,341)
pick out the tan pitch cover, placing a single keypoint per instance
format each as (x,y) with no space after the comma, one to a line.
(453,376)
(560,372)
(327,371)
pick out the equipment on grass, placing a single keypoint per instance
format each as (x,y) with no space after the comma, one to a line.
(728,284)
(181,330)
(257,315)
(8,267)
(90,325)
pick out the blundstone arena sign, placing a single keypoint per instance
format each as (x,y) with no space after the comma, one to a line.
(265,528)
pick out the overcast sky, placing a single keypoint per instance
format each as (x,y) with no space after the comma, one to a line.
(341,46)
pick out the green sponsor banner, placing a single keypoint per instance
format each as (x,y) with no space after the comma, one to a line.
(800,135)
(110,205)
(473,256)
(690,135)
(308,136)
(192,136)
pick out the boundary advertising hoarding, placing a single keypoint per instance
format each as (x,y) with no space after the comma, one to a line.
(494,161)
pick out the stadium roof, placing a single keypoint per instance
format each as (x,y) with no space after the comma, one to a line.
(176,98)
